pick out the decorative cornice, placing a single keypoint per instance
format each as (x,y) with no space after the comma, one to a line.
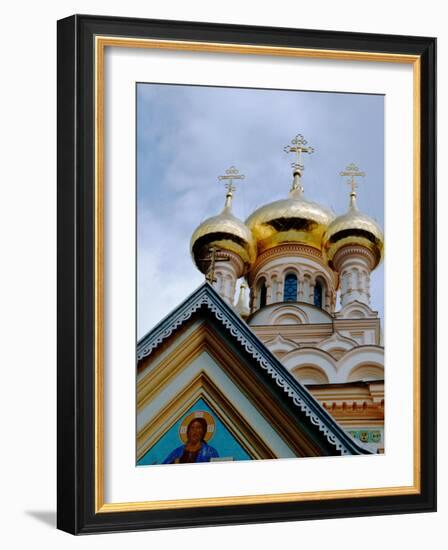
(293,251)
(353,250)
(222,261)
(291,248)
(206,297)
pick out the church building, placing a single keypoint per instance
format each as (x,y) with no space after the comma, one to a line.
(289,365)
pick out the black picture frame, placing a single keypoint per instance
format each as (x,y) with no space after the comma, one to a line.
(76,510)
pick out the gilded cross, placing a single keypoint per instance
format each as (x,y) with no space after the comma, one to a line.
(210,275)
(352,172)
(232,173)
(298,146)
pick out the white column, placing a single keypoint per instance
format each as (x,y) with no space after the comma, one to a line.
(268,293)
(280,290)
(300,290)
(226,281)
(227,271)
(354,264)
(311,295)
(306,289)
(273,290)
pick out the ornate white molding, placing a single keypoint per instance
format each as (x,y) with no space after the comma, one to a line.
(353,250)
(287,250)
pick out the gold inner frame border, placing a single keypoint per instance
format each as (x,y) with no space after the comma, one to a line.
(100,44)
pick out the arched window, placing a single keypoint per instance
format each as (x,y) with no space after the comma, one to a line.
(262,291)
(318,294)
(290,288)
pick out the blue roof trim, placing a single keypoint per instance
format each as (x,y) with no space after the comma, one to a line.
(206,296)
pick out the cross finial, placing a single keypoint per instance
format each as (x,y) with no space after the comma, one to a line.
(352,172)
(232,173)
(298,146)
(212,257)
(210,275)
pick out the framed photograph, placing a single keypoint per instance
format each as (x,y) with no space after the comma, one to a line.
(246,274)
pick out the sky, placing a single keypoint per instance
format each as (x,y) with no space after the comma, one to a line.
(189,135)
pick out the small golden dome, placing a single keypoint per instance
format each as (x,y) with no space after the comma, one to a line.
(354,227)
(226,232)
(291,220)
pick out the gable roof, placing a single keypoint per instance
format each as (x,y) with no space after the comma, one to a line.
(297,397)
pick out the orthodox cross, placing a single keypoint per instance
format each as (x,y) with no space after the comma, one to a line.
(210,275)
(298,146)
(352,172)
(232,173)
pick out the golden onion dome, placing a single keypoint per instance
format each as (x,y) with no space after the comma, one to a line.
(354,228)
(291,220)
(225,232)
